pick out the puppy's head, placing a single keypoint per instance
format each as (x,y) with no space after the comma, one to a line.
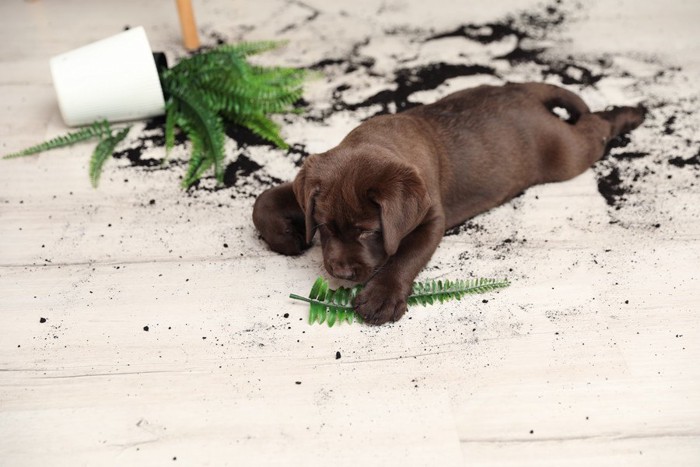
(363,206)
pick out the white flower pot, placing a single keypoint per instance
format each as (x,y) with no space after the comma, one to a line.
(113,79)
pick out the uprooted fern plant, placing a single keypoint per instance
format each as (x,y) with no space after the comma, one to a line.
(336,306)
(204,93)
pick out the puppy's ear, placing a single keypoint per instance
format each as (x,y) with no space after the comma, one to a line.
(403,200)
(305,194)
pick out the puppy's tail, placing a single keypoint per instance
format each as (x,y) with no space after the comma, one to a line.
(622,119)
(554,96)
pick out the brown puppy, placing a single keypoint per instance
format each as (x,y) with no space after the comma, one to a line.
(384,196)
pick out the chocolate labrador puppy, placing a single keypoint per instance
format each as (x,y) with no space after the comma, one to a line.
(382,199)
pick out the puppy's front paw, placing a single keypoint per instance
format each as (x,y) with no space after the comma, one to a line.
(379,303)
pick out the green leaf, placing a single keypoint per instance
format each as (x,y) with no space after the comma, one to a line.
(205,129)
(102,152)
(321,313)
(96,130)
(315,289)
(332,317)
(263,127)
(171,109)
(197,163)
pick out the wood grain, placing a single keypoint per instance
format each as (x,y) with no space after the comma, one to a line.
(141,325)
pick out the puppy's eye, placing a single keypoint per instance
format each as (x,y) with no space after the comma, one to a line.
(368,234)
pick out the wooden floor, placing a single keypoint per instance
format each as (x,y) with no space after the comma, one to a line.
(144,325)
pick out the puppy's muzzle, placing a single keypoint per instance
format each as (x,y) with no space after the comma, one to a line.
(342,270)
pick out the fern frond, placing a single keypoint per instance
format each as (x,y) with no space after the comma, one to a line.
(171,109)
(247,96)
(285,77)
(197,67)
(103,151)
(229,56)
(263,127)
(97,129)
(197,168)
(426,293)
(198,157)
(205,124)
(245,82)
(331,306)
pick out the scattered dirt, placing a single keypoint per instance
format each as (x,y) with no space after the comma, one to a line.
(668,137)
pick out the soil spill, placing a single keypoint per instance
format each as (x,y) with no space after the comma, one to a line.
(534,37)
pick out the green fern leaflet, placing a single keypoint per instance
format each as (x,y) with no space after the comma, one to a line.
(336,306)
(96,130)
(104,151)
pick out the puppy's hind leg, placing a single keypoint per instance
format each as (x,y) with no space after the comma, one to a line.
(280,220)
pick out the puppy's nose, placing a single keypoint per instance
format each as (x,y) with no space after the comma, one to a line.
(343,271)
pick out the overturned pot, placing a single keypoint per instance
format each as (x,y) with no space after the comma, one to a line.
(113,79)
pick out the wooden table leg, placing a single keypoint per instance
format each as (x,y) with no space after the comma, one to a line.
(190,37)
